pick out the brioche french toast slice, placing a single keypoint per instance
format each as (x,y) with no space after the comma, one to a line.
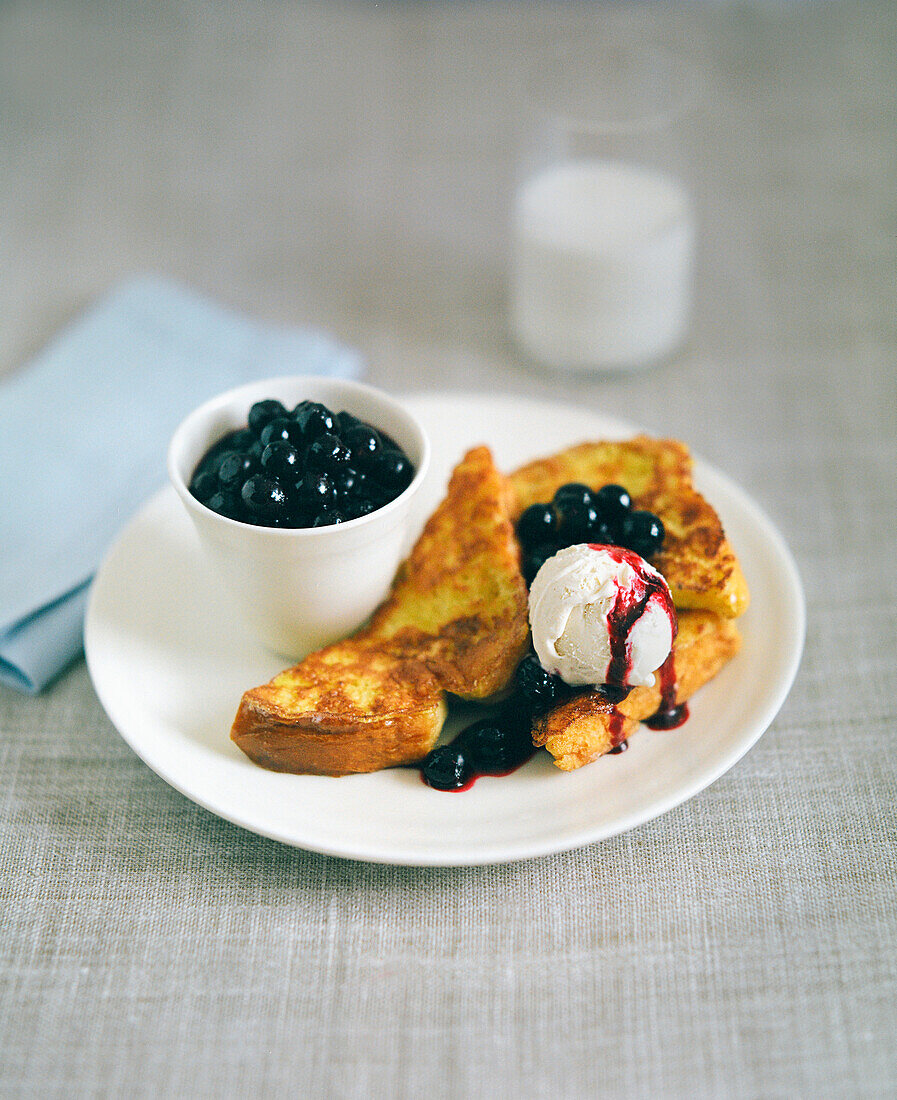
(588,726)
(456,619)
(351,707)
(459,602)
(697,560)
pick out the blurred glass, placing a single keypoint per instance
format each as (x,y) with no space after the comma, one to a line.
(603,222)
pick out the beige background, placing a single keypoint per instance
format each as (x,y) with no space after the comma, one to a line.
(351,166)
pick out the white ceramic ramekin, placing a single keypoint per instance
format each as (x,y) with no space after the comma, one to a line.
(298,589)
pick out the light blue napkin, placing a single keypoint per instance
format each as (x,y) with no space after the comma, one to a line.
(83,436)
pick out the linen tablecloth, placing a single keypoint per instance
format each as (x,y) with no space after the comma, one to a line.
(350,167)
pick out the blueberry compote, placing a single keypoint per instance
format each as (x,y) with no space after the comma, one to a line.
(500,745)
(577,514)
(603,516)
(497,745)
(301,467)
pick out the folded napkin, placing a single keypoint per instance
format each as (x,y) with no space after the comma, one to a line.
(83,436)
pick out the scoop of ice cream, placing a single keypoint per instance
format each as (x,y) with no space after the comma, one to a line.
(601,615)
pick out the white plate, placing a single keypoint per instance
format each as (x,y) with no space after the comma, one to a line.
(169,663)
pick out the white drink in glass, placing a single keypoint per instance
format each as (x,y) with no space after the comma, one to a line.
(602,265)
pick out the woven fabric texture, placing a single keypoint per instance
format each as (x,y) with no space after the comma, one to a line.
(350,167)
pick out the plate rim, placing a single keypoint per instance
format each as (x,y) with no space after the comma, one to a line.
(503,852)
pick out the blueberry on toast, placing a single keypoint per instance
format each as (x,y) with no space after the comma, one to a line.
(697,561)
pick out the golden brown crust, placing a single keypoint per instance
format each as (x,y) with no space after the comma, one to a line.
(584,728)
(348,708)
(456,620)
(580,730)
(697,560)
(459,603)
(640,464)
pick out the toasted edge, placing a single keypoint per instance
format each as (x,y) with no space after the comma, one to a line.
(475,653)
(301,721)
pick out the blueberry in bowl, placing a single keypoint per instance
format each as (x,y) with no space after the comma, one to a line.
(309,467)
(301,492)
